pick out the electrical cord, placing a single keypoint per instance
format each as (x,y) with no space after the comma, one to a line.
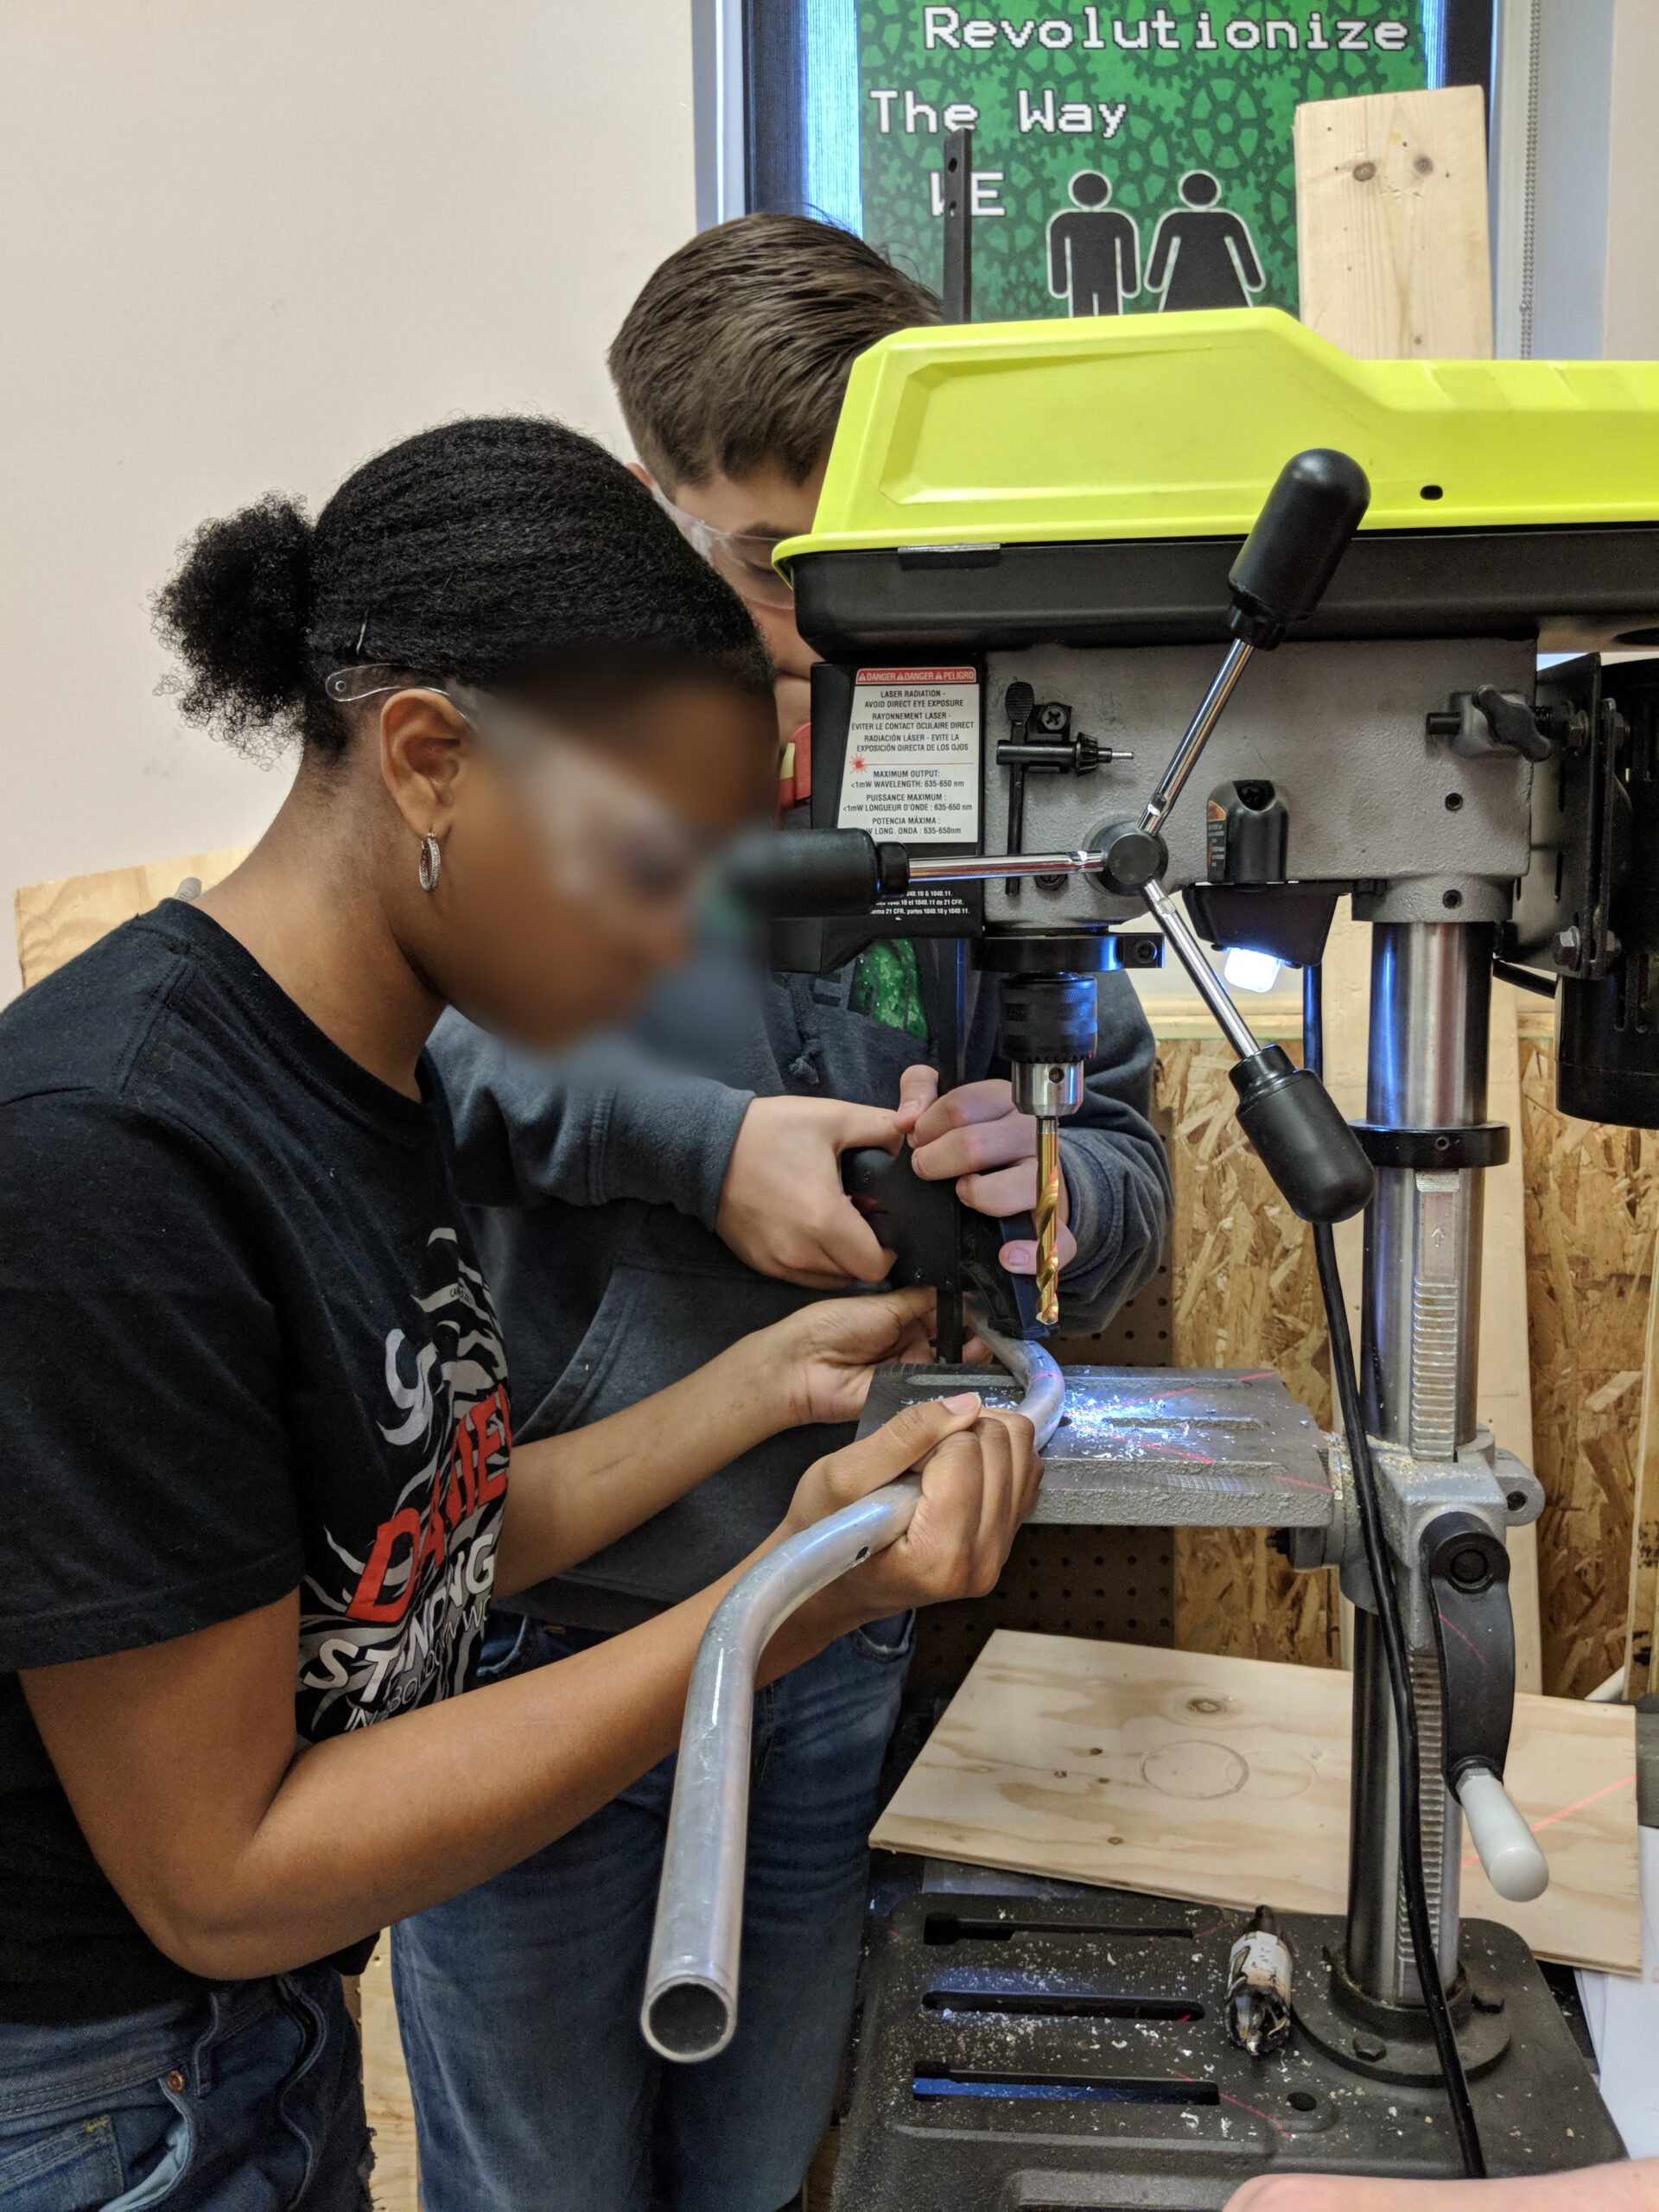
(1413,1881)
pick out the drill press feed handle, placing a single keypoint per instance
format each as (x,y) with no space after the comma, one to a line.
(1306,525)
(1516,1866)
(1468,1573)
(1304,1143)
(804,874)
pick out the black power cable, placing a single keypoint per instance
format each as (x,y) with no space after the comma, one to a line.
(1413,1880)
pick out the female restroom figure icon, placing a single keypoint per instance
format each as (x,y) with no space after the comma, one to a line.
(1203,255)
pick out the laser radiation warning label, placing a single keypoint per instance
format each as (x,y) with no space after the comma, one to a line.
(911,771)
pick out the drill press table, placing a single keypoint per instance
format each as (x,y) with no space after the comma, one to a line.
(1197,1447)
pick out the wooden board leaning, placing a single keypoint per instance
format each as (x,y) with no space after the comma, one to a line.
(1226,1780)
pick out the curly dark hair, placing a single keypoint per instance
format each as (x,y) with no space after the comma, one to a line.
(737,352)
(507,552)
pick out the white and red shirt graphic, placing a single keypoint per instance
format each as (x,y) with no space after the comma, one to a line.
(399,1627)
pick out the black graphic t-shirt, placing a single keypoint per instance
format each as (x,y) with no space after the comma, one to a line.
(243,1348)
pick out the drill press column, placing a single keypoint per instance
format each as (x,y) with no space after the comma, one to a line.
(1431,985)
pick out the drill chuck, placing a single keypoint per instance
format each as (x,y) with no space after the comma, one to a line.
(1049,1018)
(1048,1089)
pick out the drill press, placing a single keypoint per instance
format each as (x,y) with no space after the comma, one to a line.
(1075,519)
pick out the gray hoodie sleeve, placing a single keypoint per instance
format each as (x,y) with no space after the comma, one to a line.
(1116,1175)
(602,1122)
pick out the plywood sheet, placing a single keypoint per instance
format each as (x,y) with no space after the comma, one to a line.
(1592,1217)
(57,920)
(1393,253)
(1226,1780)
(385,2091)
(1641,1612)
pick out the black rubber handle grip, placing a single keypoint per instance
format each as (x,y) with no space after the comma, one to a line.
(1306,526)
(1306,1146)
(799,875)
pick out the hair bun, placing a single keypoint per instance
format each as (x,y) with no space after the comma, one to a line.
(236,613)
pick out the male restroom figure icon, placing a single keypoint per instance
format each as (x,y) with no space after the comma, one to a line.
(1203,255)
(1094,250)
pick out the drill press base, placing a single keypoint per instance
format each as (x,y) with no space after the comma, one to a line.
(1025,2054)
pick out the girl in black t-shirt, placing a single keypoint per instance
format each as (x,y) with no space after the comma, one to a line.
(259,1485)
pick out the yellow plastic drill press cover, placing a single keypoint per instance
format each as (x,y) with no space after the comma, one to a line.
(1176,425)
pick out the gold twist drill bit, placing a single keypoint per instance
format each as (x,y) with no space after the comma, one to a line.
(1048,1218)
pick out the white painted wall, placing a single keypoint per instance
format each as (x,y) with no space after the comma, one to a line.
(1630,291)
(1596,272)
(247,243)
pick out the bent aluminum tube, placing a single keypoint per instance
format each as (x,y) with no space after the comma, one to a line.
(690,2002)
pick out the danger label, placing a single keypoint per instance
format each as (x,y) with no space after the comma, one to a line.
(911,771)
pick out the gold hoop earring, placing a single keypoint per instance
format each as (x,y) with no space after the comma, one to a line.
(431,861)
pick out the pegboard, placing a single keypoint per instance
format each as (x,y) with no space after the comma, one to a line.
(1112,1583)
(1115,1583)
(1136,1336)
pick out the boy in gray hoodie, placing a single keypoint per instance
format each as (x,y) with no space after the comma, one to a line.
(637,1210)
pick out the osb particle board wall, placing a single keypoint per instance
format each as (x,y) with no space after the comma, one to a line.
(1593,1215)
(1247,1295)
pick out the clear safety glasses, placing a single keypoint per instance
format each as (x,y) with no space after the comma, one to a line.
(607,840)
(743,557)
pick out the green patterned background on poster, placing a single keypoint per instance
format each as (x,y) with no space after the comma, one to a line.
(1185,104)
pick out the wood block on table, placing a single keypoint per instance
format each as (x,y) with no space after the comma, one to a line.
(1392,230)
(57,920)
(385,2091)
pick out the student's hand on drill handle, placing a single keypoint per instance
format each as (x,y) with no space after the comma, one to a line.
(783,1211)
(979,1473)
(973,1135)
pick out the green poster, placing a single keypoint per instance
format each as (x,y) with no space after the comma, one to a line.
(1127,159)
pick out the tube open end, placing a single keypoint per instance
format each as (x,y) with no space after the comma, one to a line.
(687,2020)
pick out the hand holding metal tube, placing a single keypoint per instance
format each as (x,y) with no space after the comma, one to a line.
(690,1999)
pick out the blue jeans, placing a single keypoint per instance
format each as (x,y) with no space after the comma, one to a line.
(519,2003)
(247,2099)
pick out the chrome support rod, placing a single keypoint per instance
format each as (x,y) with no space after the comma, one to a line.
(979,867)
(1430,990)
(690,2001)
(1168,787)
(1210,989)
